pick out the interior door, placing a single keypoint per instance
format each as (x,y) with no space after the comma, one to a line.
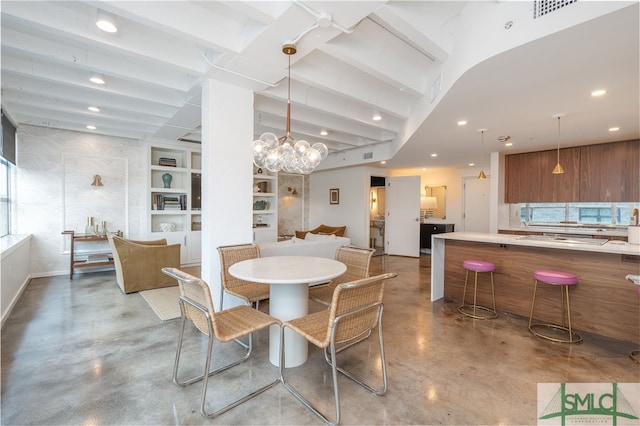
(476,204)
(402,219)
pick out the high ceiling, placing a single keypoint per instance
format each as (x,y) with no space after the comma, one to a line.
(354,58)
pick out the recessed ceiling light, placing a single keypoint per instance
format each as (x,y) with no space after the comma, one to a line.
(376,116)
(424,168)
(323,132)
(93,109)
(97,79)
(508,144)
(462,123)
(434,155)
(472,164)
(383,162)
(106,22)
(614,129)
(599,92)
(91,127)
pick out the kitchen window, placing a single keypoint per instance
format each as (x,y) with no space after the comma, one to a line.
(595,214)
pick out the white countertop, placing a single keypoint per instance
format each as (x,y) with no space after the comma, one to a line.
(612,246)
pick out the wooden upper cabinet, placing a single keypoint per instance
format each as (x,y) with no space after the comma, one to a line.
(528,177)
(610,172)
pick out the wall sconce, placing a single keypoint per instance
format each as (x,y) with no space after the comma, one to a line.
(292,191)
(373,199)
(97,180)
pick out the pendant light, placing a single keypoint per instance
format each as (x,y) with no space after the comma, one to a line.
(558,170)
(481,175)
(285,153)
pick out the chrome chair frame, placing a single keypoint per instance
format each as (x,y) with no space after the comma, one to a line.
(331,350)
(207,373)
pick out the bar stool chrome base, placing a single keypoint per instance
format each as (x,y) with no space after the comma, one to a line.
(635,355)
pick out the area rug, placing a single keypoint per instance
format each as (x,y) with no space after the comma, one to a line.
(163,301)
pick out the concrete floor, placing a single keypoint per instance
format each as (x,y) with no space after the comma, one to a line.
(81,352)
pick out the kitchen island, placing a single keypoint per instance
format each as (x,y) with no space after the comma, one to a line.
(603,302)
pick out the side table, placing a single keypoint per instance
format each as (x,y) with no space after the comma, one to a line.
(102,258)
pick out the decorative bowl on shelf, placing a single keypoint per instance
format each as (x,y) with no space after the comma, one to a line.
(261,205)
(167,227)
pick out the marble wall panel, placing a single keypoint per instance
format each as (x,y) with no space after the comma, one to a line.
(53,193)
(292,208)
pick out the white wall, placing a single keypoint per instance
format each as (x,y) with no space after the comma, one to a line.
(53,193)
(449,177)
(14,271)
(353,209)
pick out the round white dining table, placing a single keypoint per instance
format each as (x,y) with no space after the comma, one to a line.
(289,278)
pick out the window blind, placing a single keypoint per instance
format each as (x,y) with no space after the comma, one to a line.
(8,140)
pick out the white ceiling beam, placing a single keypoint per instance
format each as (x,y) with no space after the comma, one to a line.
(412,22)
(370,49)
(69,106)
(102,97)
(103,122)
(215,25)
(132,40)
(326,73)
(44,118)
(323,119)
(21,61)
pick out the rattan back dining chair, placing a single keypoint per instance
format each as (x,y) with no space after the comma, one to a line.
(356,308)
(196,306)
(357,260)
(248,291)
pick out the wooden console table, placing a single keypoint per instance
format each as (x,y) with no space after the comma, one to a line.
(103,258)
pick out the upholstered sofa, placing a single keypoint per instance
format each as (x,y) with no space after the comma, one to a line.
(139,264)
(313,245)
(338,231)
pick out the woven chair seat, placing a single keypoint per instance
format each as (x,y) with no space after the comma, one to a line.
(251,292)
(313,327)
(236,322)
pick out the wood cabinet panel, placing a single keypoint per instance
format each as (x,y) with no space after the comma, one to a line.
(602,302)
(610,172)
(528,177)
(428,229)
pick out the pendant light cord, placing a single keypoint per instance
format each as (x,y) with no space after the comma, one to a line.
(558,140)
(288,136)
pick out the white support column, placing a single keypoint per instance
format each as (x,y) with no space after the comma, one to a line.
(494,192)
(227,132)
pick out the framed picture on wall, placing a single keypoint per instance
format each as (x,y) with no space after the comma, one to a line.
(334,196)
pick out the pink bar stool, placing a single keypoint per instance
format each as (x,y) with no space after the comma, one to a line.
(564,280)
(475,311)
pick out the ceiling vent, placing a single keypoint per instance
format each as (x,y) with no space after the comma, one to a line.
(543,7)
(367,156)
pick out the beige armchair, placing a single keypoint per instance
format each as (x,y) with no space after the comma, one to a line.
(139,263)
